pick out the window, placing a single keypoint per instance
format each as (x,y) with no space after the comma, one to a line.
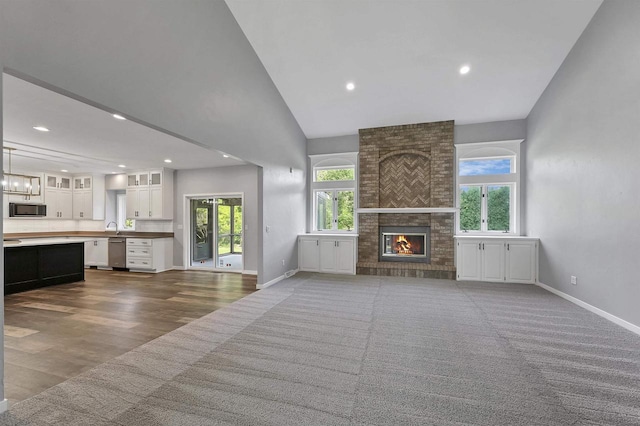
(488,187)
(330,174)
(124,224)
(333,192)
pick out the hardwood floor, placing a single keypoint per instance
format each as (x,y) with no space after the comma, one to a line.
(55,333)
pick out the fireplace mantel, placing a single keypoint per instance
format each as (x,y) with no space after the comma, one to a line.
(408,210)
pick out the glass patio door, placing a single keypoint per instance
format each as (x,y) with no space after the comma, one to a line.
(229,233)
(202,221)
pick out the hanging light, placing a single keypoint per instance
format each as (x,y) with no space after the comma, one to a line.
(11,181)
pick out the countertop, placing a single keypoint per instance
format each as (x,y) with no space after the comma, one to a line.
(45,241)
(496,237)
(89,234)
(45,238)
(329,234)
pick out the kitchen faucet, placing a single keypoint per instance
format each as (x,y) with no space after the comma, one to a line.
(116,224)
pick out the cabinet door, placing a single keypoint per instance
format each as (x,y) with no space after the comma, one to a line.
(132,180)
(65,183)
(155,178)
(143,203)
(65,204)
(77,183)
(78,203)
(102,252)
(345,256)
(82,205)
(309,254)
(521,262)
(469,262)
(143,179)
(51,199)
(155,202)
(327,255)
(492,260)
(132,203)
(51,181)
(89,253)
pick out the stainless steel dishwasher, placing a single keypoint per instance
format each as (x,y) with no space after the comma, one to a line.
(118,252)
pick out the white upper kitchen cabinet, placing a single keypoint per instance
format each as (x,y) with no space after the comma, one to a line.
(89,197)
(150,195)
(57,182)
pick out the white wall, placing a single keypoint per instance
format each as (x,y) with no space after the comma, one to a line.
(183,67)
(583,147)
(490,132)
(333,145)
(240,179)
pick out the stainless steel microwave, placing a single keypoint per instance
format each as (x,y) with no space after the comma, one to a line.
(27,210)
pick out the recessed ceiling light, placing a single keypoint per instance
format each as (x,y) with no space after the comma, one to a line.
(225,155)
(350,86)
(167,160)
(119,117)
(64,170)
(113,173)
(121,166)
(465,69)
(41,128)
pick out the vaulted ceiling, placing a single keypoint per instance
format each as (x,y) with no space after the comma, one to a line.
(404,57)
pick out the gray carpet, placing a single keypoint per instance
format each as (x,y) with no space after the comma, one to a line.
(336,350)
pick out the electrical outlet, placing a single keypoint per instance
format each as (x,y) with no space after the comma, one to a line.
(574,280)
(282,262)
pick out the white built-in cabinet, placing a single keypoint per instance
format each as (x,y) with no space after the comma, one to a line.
(510,259)
(83,197)
(332,253)
(96,252)
(150,195)
(77,197)
(149,254)
(58,196)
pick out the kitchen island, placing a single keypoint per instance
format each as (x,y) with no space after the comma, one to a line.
(41,262)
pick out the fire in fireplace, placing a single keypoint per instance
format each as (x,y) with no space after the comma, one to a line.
(404,244)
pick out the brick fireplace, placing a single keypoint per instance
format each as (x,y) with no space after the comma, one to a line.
(408,166)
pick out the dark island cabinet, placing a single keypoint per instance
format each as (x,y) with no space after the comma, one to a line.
(30,267)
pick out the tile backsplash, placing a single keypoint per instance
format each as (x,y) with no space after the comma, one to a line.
(56,225)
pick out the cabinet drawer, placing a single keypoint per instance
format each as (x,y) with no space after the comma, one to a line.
(139,242)
(136,251)
(139,263)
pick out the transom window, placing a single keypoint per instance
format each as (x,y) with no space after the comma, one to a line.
(488,187)
(327,174)
(333,192)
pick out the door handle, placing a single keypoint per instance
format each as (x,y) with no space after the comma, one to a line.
(479,246)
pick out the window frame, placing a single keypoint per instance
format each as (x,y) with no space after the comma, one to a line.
(332,162)
(491,150)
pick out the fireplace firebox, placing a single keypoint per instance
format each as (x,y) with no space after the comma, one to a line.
(404,244)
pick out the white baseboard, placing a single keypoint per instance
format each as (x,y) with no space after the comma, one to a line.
(249,272)
(277,279)
(178,268)
(606,315)
(3,406)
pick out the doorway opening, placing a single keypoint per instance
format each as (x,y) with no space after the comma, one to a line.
(216,233)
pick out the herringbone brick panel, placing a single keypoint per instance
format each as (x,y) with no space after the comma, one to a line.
(404,181)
